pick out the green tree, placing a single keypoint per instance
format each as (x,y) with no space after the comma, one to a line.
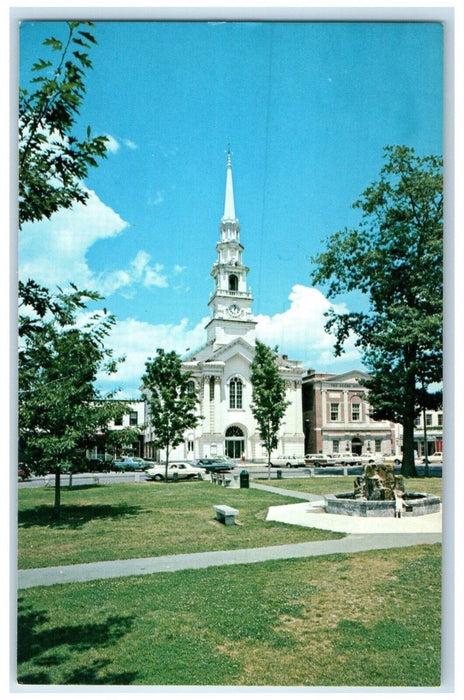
(59,409)
(115,441)
(171,400)
(268,398)
(395,258)
(52,160)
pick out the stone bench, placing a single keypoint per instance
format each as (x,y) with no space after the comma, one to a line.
(226,514)
(224,479)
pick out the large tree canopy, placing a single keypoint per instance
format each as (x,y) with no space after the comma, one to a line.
(52,160)
(395,258)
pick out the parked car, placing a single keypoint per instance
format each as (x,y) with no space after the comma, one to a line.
(371,458)
(184,470)
(318,460)
(215,464)
(127,464)
(287,461)
(392,459)
(96,464)
(144,463)
(436,458)
(345,458)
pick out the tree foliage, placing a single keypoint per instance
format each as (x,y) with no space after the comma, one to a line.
(395,258)
(171,399)
(116,440)
(52,160)
(59,409)
(268,398)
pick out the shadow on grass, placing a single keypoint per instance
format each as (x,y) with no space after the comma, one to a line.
(80,487)
(43,647)
(73,516)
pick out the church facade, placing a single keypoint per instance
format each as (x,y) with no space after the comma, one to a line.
(220,369)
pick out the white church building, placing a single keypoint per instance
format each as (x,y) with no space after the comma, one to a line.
(221,369)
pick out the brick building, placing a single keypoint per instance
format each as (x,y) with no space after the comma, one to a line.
(337,417)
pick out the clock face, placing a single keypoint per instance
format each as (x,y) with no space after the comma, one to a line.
(234,310)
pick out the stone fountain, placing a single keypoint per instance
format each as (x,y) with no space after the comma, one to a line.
(379,492)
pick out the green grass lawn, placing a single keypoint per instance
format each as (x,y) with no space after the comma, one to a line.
(368,619)
(340,484)
(122,521)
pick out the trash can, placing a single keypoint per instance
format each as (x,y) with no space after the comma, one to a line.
(244,479)
(279,473)
(175,476)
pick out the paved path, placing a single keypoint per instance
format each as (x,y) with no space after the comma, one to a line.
(306,514)
(286,492)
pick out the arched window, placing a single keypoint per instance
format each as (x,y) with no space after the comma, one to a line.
(233,283)
(234,431)
(235,393)
(191,387)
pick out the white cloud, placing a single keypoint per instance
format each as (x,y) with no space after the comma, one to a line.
(157,199)
(298,331)
(112,145)
(54,252)
(150,275)
(130,144)
(138,341)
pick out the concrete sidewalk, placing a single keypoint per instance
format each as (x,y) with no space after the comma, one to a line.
(312,515)
(28,578)
(363,534)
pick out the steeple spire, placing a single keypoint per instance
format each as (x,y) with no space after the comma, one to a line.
(229,205)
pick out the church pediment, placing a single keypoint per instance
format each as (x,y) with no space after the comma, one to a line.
(353,376)
(236,347)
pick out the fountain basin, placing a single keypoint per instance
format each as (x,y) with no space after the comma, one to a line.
(414,504)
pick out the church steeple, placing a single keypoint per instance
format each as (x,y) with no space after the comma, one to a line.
(230,302)
(229,204)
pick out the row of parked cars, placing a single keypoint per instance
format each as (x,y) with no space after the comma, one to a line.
(326,460)
(196,469)
(157,472)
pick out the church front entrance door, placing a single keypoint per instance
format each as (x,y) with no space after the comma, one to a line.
(235,442)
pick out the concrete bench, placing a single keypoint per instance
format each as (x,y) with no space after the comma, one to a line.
(226,514)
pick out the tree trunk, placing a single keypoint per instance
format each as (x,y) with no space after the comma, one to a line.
(56,506)
(426,445)
(166,464)
(408,468)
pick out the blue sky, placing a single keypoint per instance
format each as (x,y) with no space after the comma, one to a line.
(307,108)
